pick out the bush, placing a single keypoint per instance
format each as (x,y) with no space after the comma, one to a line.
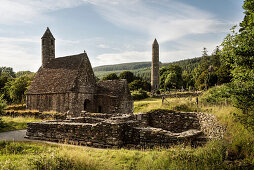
(140,84)
(111,76)
(2,104)
(217,95)
(138,95)
(184,108)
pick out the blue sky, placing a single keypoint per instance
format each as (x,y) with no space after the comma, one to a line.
(113,31)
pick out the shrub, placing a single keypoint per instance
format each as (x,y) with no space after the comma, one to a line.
(184,108)
(2,104)
(217,95)
(138,95)
(140,84)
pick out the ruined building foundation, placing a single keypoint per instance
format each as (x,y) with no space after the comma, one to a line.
(161,128)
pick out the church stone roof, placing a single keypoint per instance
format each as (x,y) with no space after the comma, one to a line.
(58,76)
(48,34)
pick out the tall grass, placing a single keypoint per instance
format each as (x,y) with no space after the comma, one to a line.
(234,152)
(16,123)
(44,156)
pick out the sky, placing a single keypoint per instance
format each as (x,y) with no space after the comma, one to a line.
(113,31)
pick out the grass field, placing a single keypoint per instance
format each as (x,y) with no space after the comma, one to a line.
(235,151)
(16,123)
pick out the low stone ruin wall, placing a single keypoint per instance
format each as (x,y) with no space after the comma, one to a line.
(155,128)
(182,121)
(210,126)
(103,134)
(169,120)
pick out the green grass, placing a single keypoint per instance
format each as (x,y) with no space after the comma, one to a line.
(234,151)
(177,104)
(16,123)
(20,155)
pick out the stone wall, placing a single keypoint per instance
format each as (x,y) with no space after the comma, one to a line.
(156,128)
(182,121)
(48,102)
(172,121)
(103,134)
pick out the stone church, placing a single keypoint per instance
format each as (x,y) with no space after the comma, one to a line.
(68,85)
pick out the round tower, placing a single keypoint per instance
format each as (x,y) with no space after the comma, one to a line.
(155,66)
(47,47)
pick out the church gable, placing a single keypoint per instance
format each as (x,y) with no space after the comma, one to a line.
(85,81)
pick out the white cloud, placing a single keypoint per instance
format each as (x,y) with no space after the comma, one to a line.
(167,20)
(172,20)
(18,57)
(124,57)
(25,11)
(103,46)
(185,48)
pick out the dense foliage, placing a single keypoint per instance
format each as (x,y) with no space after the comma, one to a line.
(139,94)
(111,76)
(217,95)
(171,77)
(238,54)
(14,85)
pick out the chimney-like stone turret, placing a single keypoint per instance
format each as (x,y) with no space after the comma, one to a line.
(47,47)
(155,66)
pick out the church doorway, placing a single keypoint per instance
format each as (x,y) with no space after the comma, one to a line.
(86,104)
(99,109)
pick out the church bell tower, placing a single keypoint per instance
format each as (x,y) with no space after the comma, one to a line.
(47,47)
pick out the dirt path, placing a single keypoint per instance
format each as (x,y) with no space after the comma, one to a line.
(16,135)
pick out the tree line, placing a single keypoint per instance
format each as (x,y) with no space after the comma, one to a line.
(14,85)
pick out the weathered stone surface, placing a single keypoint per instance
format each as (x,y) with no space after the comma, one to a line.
(156,128)
(68,85)
(155,80)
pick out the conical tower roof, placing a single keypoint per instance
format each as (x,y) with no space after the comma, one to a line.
(48,34)
(155,42)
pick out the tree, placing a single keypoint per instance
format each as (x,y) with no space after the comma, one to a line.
(215,58)
(111,76)
(129,76)
(238,52)
(7,70)
(3,80)
(22,73)
(188,81)
(19,87)
(224,74)
(140,84)
(171,80)
(2,105)
(205,60)
(171,77)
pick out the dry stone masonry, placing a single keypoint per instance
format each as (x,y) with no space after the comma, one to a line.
(156,128)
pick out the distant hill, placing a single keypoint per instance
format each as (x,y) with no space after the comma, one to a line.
(142,69)
(187,64)
(123,66)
